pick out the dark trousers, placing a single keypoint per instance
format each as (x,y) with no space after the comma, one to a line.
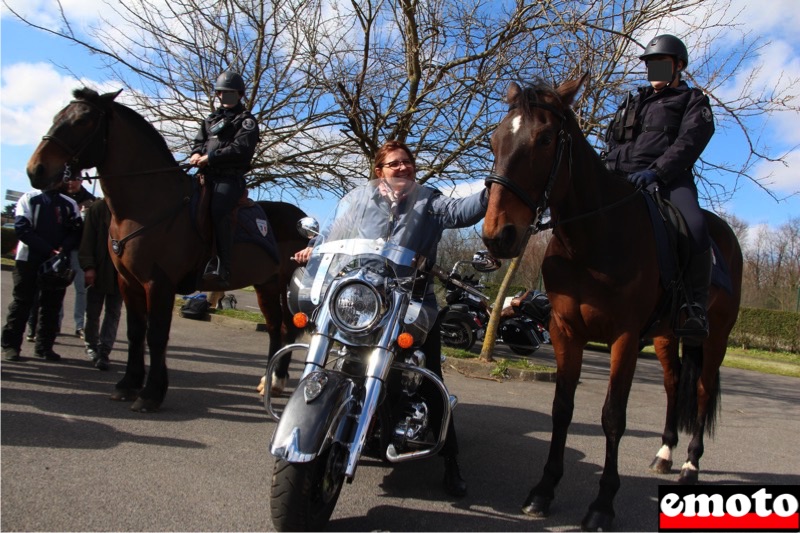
(100,338)
(226,192)
(433,362)
(25,277)
(683,195)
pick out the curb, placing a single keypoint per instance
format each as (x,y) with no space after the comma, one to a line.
(476,368)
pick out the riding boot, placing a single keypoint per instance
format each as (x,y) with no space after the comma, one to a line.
(218,269)
(454,484)
(698,278)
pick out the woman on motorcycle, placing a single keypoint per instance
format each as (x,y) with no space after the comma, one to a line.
(396,170)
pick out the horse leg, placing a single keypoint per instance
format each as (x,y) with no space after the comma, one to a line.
(568,372)
(127,389)
(269,302)
(623,364)
(667,352)
(161,300)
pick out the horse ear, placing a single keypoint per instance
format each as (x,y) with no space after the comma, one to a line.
(567,90)
(513,93)
(109,97)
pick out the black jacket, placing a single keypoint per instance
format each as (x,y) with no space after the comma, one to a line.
(46,221)
(665,132)
(230,149)
(93,252)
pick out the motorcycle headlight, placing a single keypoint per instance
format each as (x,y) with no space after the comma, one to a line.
(356,307)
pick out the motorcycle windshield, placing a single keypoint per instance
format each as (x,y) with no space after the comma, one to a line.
(375,225)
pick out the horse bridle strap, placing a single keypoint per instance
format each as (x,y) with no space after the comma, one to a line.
(75,154)
(538,208)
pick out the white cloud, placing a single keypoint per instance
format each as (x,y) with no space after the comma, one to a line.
(32,94)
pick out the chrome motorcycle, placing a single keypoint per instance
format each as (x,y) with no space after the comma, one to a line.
(364,387)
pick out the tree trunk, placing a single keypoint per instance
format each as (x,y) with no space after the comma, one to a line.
(490,338)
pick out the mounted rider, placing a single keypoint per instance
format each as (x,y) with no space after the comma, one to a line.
(656,137)
(223,149)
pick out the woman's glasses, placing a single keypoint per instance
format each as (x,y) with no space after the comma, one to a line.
(394,165)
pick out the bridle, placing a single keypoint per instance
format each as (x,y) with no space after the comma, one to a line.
(101,129)
(538,208)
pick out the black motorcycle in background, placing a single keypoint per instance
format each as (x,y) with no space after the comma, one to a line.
(523,323)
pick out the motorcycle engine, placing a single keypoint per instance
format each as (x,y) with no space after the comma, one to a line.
(411,429)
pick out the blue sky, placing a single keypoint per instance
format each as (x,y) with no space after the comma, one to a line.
(39,71)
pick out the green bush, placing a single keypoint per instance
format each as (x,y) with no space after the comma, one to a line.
(767,329)
(8,238)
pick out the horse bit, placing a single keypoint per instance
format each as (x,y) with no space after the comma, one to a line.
(538,208)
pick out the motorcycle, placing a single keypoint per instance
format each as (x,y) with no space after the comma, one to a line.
(364,389)
(467,313)
(523,323)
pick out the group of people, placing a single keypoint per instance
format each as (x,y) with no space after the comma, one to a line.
(655,139)
(63,240)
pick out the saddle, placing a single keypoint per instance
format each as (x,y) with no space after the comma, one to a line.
(249,225)
(673,250)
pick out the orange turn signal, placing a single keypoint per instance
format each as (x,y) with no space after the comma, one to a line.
(300,320)
(405,340)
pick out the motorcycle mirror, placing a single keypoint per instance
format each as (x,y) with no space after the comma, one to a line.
(482,261)
(308,227)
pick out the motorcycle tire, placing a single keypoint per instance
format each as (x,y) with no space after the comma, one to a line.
(304,494)
(521,350)
(459,335)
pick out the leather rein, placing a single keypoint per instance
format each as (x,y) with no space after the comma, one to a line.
(539,208)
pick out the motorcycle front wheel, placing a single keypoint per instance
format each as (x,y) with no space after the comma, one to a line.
(304,494)
(458,335)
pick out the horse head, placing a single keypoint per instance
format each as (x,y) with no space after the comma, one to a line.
(76,140)
(532,154)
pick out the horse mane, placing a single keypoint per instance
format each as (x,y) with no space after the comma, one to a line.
(532,93)
(144,126)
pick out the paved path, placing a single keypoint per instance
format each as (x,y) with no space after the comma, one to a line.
(73,460)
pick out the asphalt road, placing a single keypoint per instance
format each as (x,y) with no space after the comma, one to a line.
(74,461)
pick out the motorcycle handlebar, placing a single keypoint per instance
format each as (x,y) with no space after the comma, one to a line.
(445,277)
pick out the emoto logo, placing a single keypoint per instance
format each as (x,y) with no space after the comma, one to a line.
(728,508)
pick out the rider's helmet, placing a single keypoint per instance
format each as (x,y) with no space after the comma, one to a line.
(229,81)
(55,273)
(667,45)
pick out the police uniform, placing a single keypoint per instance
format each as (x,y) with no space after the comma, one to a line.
(229,138)
(44,221)
(665,132)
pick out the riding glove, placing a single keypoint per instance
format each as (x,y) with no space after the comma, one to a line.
(643,178)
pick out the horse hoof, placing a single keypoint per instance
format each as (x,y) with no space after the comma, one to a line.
(597,521)
(260,388)
(537,506)
(661,466)
(142,405)
(689,476)
(278,385)
(124,395)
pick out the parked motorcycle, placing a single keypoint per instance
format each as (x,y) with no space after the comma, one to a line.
(523,324)
(467,313)
(364,388)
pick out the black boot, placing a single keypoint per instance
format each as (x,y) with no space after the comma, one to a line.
(698,278)
(454,484)
(218,269)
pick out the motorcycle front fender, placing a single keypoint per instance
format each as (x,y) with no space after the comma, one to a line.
(307,426)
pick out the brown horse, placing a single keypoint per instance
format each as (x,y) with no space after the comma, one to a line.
(602,278)
(159,248)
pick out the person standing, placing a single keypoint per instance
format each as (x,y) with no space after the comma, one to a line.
(656,137)
(102,286)
(222,150)
(48,225)
(75,190)
(422,224)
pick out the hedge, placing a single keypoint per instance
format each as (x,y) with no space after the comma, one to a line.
(767,329)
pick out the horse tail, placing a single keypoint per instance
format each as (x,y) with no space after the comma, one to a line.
(689,419)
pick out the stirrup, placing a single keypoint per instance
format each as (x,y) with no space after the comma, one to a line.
(212,270)
(696,323)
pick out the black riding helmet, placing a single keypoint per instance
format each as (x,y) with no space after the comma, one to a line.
(229,81)
(668,45)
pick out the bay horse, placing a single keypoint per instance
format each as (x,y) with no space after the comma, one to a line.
(160,247)
(602,277)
